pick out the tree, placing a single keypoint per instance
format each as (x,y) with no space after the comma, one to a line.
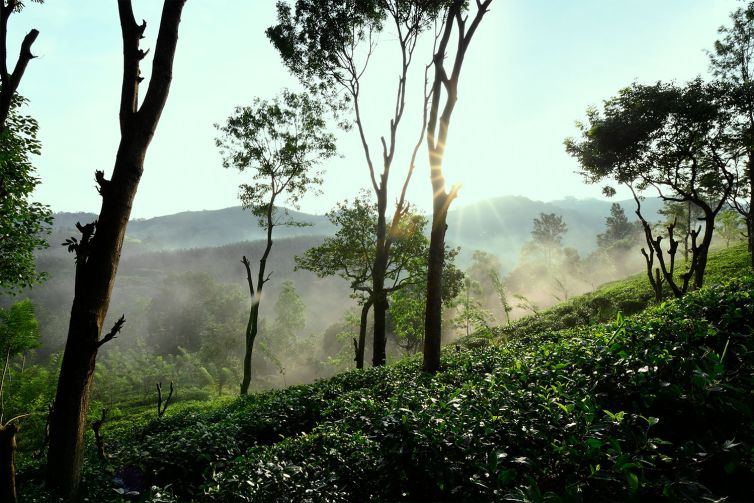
(349,254)
(471,316)
(290,316)
(23,223)
(547,233)
(9,81)
(731,62)
(677,141)
(19,332)
(682,216)
(98,250)
(320,43)
(282,141)
(731,226)
(438,125)
(290,320)
(619,236)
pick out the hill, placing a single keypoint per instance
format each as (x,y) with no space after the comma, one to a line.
(651,407)
(505,223)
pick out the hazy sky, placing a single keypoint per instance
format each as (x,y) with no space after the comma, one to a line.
(532,70)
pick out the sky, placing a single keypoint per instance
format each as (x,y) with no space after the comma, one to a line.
(531,71)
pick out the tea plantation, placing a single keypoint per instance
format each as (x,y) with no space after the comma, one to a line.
(558,407)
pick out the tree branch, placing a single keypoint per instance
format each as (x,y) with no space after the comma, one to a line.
(113,331)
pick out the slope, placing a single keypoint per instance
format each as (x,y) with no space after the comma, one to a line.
(651,407)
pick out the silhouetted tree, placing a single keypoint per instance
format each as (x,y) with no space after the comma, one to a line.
(678,141)
(282,142)
(438,125)
(9,81)
(98,250)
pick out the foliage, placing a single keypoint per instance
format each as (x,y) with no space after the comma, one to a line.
(548,230)
(19,332)
(23,223)
(192,311)
(282,141)
(732,226)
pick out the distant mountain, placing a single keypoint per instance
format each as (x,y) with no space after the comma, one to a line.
(499,226)
(198,229)
(213,242)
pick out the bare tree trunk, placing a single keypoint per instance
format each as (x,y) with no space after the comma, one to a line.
(362,333)
(9,81)
(437,135)
(256,298)
(8,462)
(98,251)
(433,312)
(378,278)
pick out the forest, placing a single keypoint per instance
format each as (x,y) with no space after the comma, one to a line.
(389,348)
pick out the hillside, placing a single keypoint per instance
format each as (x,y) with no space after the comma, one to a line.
(497,225)
(655,406)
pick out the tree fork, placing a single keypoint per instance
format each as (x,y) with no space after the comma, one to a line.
(10,81)
(96,270)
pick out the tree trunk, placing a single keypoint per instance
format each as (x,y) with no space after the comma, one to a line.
(251,335)
(9,81)
(362,333)
(256,298)
(8,463)
(437,136)
(98,252)
(701,264)
(433,313)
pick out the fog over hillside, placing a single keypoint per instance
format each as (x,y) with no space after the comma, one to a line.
(213,242)
(499,226)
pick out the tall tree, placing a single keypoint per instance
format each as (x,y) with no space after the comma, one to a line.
(320,43)
(731,61)
(21,222)
(98,250)
(282,142)
(679,141)
(437,136)
(9,81)
(349,254)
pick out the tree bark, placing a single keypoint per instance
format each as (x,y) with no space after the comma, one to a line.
(362,334)
(10,80)
(98,252)
(437,135)
(378,277)
(8,462)
(256,297)
(436,263)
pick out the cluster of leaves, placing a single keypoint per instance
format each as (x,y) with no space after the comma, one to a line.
(653,406)
(23,223)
